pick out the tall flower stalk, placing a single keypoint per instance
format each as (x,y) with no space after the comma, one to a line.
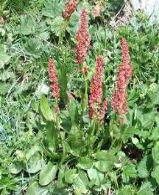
(54,80)
(83,43)
(69,9)
(96,110)
(96,92)
(83,39)
(56,94)
(125,72)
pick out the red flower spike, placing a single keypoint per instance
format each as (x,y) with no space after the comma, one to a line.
(125,72)
(83,39)
(104,108)
(96,92)
(54,80)
(70,7)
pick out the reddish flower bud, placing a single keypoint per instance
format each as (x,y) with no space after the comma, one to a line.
(96,92)
(83,39)
(70,7)
(54,80)
(125,72)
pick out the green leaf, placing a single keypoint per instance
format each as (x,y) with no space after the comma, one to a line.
(73,111)
(81,183)
(133,97)
(130,131)
(56,25)
(48,174)
(85,163)
(125,190)
(45,108)
(145,189)
(5,75)
(129,172)
(76,140)
(144,166)
(15,167)
(95,175)
(147,119)
(104,155)
(33,47)
(53,8)
(4,57)
(42,32)
(103,166)
(70,176)
(4,88)
(27,25)
(61,178)
(52,137)
(34,188)
(105,161)
(63,80)
(32,151)
(154,134)
(35,163)
(155,173)
(155,153)
(73,23)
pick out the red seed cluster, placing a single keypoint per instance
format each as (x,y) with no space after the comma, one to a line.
(83,39)
(96,92)
(54,80)
(124,75)
(70,7)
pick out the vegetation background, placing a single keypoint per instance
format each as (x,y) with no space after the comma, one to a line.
(29,35)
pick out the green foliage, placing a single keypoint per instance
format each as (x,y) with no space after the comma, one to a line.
(4,57)
(45,151)
(45,109)
(47,174)
(52,8)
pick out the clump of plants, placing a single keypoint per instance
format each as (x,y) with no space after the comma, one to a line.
(86,146)
(97,132)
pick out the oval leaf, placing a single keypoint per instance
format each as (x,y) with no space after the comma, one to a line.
(48,174)
(45,108)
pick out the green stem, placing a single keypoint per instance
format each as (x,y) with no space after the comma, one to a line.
(85,85)
(60,136)
(91,134)
(61,35)
(121,138)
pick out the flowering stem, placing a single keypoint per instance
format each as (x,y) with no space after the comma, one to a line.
(90,135)
(85,90)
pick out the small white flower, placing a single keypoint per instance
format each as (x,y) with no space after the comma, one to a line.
(42,89)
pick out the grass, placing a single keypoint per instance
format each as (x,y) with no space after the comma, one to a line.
(29,36)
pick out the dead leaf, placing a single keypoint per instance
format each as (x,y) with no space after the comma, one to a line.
(1,20)
(96,12)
